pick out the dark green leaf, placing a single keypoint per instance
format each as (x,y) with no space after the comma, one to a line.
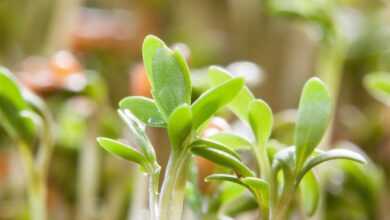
(223,177)
(144,109)
(239,105)
(122,150)
(223,159)
(310,193)
(214,99)
(180,125)
(215,145)
(260,120)
(313,118)
(234,141)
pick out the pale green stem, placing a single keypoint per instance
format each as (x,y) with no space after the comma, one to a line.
(172,192)
(263,161)
(36,184)
(153,195)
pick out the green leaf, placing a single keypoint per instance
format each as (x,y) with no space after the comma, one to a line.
(260,189)
(330,155)
(313,118)
(378,85)
(284,159)
(122,150)
(215,145)
(180,125)
(239,105)
(171,86)
(149,48)
(224,159)
(260,120)
(138,130)
(144,109)
(11,106)
(214,99)
(310,193)
(234,141)
(223,177)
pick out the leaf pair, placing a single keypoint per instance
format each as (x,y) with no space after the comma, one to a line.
(168,74)
(13,109)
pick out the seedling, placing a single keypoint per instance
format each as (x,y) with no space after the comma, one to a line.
(28,122)
(170,108)
(280,176)
(378,85)
(291,168)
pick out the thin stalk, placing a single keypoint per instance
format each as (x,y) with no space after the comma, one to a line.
(263,162)
(36,184)
(279,212)
(172,192)
(153,195)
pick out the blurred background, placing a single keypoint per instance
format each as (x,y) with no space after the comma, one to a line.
(83,56)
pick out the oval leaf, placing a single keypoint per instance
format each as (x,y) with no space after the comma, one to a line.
(150,45)
(144,109)
(310,193)
(260,120)
(313,118)
(171,85)
(214,99)
(223,159)
(234,141)
(180,125)
(239,105)
(122,150)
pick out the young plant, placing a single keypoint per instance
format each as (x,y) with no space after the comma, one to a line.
(171,108)
(290,169)
(28,122)
(378,85)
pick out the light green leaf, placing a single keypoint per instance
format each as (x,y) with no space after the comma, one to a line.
(234,141)
(214,99)
(330,155)
(239,105)
(260,189)
(138,130)
(223,177)
(144,109)
(215,145)
(224,159)
(11,106)
(171,86)
(260,120)
(310,193)
(122,150)
(313,118)
(179,125)
(378,85)
(149,48)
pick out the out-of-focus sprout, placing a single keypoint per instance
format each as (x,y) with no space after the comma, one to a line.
(28,122)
